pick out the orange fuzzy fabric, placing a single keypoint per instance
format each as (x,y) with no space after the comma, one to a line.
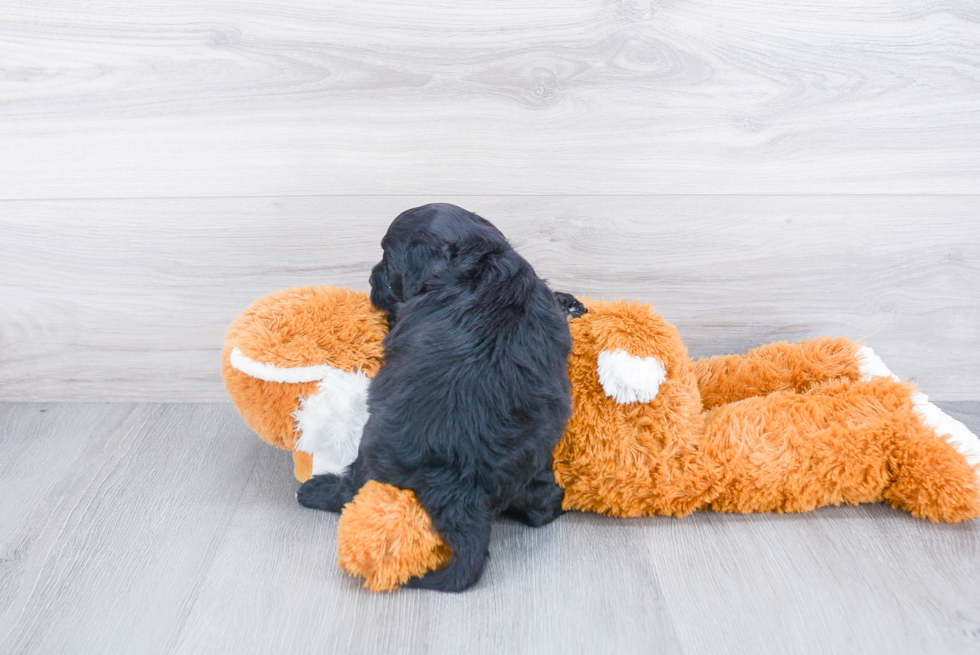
(386,537)
(813,436)
(305,326)
(629,459)
(783,428)
(841,442)
(775,367)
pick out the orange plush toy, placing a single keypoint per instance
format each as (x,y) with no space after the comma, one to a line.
(785,427)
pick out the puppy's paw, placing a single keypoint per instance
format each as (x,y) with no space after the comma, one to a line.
(539,504)
(321,492)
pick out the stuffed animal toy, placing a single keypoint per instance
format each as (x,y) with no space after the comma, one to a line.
(782,428)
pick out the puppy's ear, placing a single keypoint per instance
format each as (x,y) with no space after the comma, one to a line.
(423,262)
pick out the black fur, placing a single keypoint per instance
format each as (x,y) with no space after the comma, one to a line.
(573,308)
(473,395)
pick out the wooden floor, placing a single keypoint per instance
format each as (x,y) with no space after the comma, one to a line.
(170,528)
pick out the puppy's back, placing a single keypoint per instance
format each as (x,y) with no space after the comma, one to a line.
(475,381)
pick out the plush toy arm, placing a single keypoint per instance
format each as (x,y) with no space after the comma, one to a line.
(776,367)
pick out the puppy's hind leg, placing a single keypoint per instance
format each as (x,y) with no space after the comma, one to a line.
(465,527)
(538,503)
(329,492)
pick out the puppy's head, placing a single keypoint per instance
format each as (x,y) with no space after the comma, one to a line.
(420,245)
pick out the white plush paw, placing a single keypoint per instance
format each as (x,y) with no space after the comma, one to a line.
(629,379)
(959,436)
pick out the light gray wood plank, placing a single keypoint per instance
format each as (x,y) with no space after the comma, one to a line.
(110,550)
(129,299)
(865,579)
(40,450)
(205,550)
(274,587)
(213,98)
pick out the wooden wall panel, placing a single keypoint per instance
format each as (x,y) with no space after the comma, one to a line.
(129,299)
(99,99)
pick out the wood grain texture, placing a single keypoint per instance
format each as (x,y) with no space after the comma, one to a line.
(110,519)
(173,529)
(542,591)
(129,299)
(222,98)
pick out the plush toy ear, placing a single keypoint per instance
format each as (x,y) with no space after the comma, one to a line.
(387,538)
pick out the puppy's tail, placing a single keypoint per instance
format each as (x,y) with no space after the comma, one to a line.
(328,492)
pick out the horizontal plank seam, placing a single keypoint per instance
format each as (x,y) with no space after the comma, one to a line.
(509,195)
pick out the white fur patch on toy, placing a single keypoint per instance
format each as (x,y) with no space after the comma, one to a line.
(273,373)
(958,435)
(330,422)
(870,365)
(629,379)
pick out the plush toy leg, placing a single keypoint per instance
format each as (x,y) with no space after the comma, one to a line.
(775,367)
(789,452)
(841,442)
(302,465)
(931,483)
(939,421)
(387,537)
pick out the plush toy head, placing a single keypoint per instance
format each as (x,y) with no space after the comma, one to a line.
(296,364)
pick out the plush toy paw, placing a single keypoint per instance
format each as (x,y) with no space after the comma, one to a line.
(942,424)
(386,537)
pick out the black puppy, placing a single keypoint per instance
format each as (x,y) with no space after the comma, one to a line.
(473,394)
